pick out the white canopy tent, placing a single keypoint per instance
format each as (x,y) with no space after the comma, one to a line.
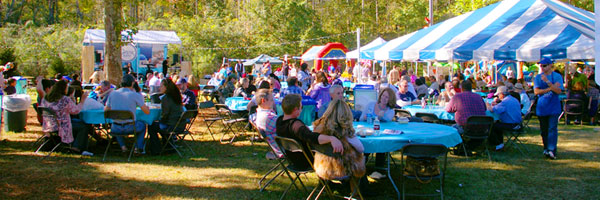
(142,36)
(376,42)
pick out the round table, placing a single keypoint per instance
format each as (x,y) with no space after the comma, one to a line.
(413,132)
(96,116)
(439,111)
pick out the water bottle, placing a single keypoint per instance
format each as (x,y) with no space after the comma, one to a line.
(423,102)
(376,126)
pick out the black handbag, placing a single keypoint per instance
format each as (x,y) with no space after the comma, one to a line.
(421,168)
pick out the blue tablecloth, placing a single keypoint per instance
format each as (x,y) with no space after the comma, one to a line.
(348,84)
(439,111)
(97,116)
(414,132)
(309,109)
(482,94)
(237,103)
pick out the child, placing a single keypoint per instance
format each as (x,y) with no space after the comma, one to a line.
(289,126)
(10,89)
(266,118)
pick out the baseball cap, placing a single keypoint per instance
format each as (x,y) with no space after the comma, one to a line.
(501,89)
(546,61)
(519,86)
(181,81)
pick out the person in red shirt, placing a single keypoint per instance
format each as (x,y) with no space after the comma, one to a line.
(464,105)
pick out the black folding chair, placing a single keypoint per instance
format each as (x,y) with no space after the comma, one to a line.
(402,113)
(527,117)
(423,151)
(576,109)
(230,123)
(208,119)
(209,92)
(182,129)
(428,117)
(326,149)
(123,115)
(512,138)
(52,136)
(478,128)
(289,145)
(271,155)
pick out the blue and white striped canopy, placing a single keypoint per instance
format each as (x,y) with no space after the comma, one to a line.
(522,30)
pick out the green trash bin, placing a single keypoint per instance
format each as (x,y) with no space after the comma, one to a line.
(15,121)
(15,111)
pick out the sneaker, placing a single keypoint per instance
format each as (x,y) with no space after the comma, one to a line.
(551,155)
(500,147)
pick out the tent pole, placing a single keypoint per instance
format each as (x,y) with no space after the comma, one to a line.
(358,59)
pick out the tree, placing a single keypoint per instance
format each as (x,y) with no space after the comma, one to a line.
(113,25)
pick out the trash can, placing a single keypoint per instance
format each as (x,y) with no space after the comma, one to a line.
(15,112)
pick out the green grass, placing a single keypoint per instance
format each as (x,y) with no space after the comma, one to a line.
(222,171)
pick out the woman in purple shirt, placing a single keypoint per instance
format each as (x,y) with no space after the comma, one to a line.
(319,91)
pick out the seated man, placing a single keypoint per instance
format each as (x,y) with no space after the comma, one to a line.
(405,97)
(292,88)
(523,98)
(290,126)
(101,92)
(189,98)
(126,98)
(464,105)
(266,118)
(509,112)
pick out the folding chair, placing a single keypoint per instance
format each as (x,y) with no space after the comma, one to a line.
(289,145)
(280,160)
(229,122)
(208,119)
(402,113)
(109,116)
(328,150)
(578,107)
(424,151)
(512,138)
(49,136)
(527,117)
(209,91)
(182,129)
(478,128)
(428,117)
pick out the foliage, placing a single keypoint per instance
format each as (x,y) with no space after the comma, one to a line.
(7,55)
(224,24)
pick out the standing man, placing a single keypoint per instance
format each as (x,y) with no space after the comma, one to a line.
(547,86)
(165,67)
(239,69)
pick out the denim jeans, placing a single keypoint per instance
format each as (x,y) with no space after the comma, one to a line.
(549,131)
(118,130)
(80,132)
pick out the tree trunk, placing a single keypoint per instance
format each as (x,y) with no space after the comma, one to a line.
(113,25)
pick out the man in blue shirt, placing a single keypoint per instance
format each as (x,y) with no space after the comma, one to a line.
(509,114)
(547,86)
(292,88)
(405,97)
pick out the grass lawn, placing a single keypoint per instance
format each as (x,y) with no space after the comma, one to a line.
(221,171)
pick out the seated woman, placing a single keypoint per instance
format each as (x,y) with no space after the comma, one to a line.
(337,121)
(383,108)
(242,88)
(319,91)
(70,132)
(171,110)
(447,94)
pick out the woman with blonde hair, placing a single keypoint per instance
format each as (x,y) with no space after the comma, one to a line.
(337,121)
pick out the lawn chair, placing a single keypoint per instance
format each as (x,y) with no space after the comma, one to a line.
(527,117)
(182,129)
(209,92)
(109,116)
(49,137)
(326,149)
(289,145)
(230,122)
(420,151)
(208,119)
(478,128)
(428,117)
